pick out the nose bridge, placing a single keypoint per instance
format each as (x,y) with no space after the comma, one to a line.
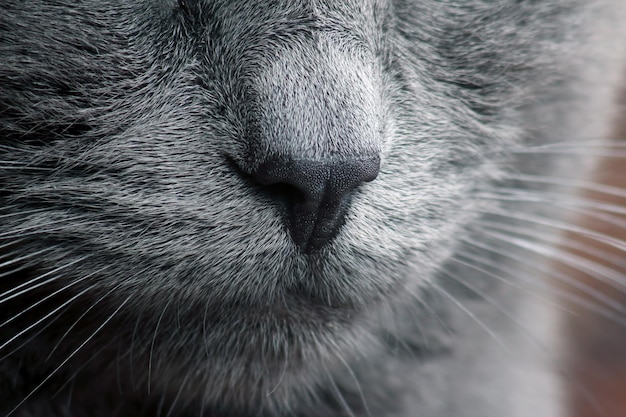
(316,101)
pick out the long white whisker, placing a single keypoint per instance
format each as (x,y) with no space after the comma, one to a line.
(66,303)
(572,206)
(469,313)
(542,347)
(10,294)
(180,390)
(555,224)
(511,194)
(611,149)
(559,241)
(91,307)
(12,242)
(569,183)
(281,376)
(131,350)
(23,258)
(83,366)
(619,319)
(549,290)
(340,396)
(492,303)
(432,313)
(514,283)
(584,152)
(156,330)
(70,356)
(358,384)
(595,269)
(51,295)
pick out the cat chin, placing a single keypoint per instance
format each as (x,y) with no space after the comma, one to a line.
(245,358)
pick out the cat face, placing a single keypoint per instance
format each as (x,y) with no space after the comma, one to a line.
(134,179)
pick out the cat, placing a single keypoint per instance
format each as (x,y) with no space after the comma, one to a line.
(291,208)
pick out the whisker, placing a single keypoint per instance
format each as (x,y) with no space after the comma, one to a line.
(12,242)
(577,300)
(584,152)
(22,258)
(14,292)
(555,224)
(611,149)
(51,295)
(574,244)
(551,198)
(83,366)
(14,271)
(494,304)
(541,346)
(423,303)
(156,330)
(387,315)
(66,303)
(131,350)
(550,290)
(597,270)
(357,383)
(469,313)
(340,397)
(70,356)
(514,283)
(612,142)
(574,207)
(281,376)
(610,219)
(177,397)
(17,167)
(91,307)
(205,330)
(566,182)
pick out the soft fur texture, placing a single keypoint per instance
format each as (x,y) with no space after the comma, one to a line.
(145,272)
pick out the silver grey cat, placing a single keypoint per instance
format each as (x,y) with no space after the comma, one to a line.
(287,208)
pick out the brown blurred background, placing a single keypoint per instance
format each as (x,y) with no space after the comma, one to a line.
(596,341)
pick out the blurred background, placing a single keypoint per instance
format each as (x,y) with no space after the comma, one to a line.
(596,332)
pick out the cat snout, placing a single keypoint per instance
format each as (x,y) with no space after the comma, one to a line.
(315,193)
(313,132)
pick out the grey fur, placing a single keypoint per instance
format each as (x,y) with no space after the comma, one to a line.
(128,132)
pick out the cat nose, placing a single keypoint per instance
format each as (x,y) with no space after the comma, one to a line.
(316,193)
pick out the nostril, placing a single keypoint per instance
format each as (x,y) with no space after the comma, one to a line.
(283,192)
(315,192)
(307,177)
(315,179)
